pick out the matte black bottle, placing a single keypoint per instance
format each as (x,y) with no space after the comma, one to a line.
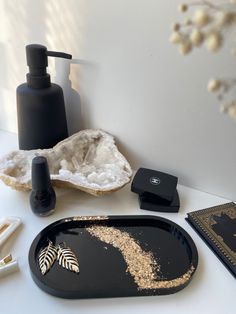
(42,196)
(40,104)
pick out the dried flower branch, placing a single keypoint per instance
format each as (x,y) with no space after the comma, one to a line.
(208,25)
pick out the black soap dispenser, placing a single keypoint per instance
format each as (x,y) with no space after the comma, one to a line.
(40,103)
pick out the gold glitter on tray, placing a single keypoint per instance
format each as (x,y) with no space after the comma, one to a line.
(84,218)
(140,264)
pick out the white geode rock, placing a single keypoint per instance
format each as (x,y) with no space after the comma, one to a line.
(88,160)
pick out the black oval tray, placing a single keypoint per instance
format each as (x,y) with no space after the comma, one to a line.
(103,270)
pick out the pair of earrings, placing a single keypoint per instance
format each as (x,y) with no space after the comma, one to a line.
(64,255)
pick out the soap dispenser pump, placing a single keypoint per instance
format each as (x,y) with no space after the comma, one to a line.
(40,103)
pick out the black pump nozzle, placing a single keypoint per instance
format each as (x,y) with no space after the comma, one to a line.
(37,61)
(58,54)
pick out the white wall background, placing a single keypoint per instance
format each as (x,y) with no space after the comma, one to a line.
(128,80)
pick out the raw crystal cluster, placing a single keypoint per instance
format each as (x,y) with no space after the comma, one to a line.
(88,160)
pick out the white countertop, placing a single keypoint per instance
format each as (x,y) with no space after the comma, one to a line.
(212,289)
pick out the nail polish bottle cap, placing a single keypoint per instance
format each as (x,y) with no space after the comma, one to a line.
(40,174)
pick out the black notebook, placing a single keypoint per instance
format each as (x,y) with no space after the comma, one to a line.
(217,227)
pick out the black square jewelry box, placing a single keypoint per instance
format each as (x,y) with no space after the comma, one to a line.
(157,190)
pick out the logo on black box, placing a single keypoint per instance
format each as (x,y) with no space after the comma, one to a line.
(155,180)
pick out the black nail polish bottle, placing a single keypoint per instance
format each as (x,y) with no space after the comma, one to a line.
(42,196)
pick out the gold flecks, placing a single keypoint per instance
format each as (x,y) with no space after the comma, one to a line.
(140,264)
(86,218)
